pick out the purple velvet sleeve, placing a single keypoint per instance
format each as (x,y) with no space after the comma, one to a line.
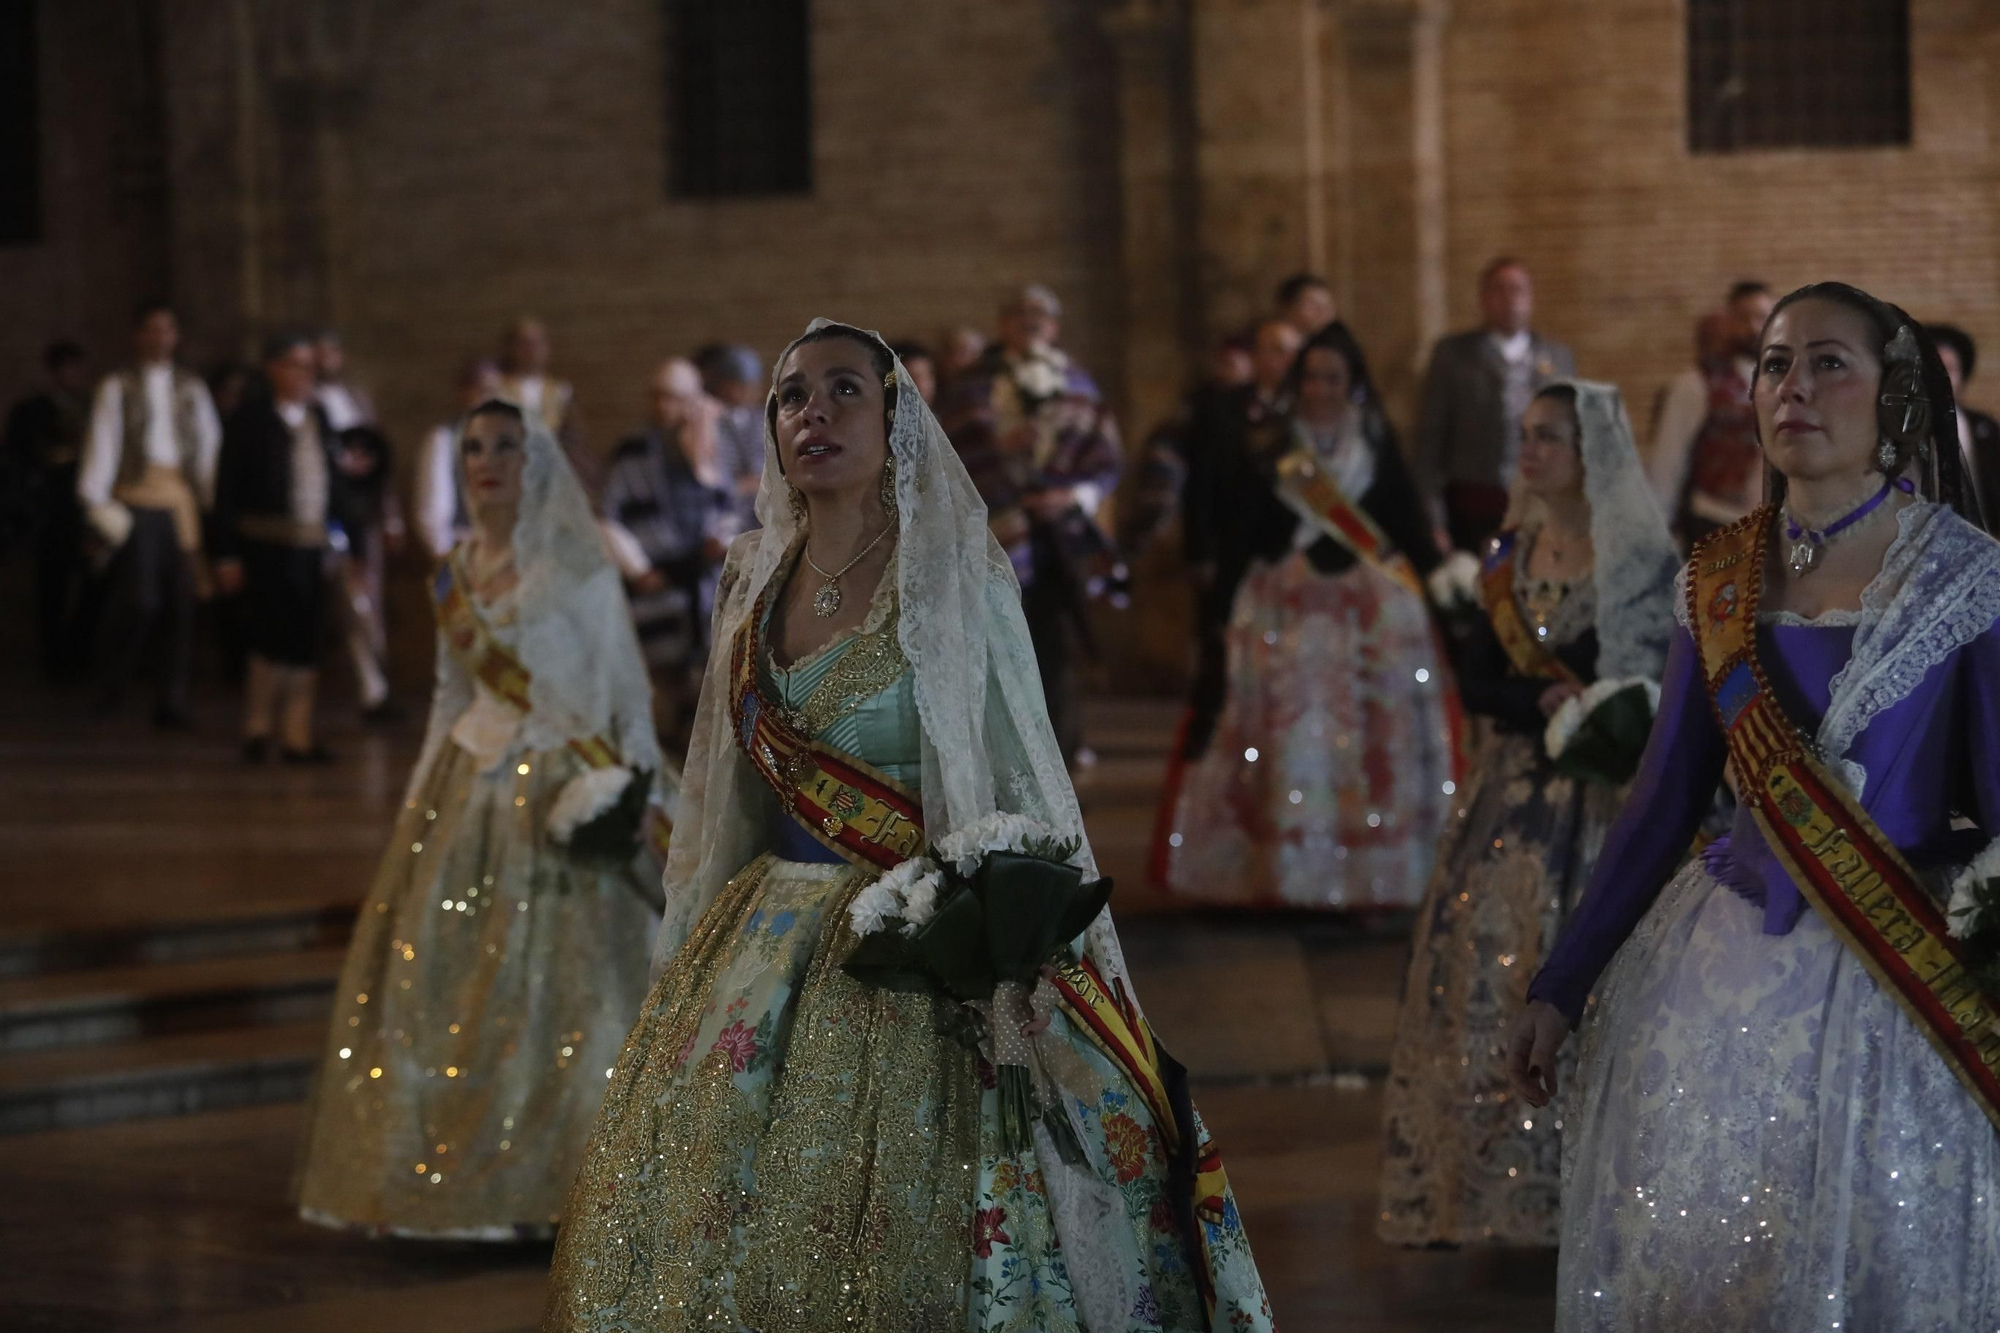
(1669,795)
(1982,728)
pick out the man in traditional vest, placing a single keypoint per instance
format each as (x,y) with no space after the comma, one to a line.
(148,472)
(1705,463)
(277,485)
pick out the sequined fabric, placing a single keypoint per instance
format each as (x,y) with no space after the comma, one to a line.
(783,1148)
(485,995)
(1760,1141)
(1464,1161)
(1325,783)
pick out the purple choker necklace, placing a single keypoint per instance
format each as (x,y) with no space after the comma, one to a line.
(1807,542)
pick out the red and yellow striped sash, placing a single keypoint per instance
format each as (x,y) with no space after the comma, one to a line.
(1496,586)
(1834,851)
(865,816)
(487,660)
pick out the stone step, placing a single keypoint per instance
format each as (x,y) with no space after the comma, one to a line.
(282,928)
(169,1075)
(124,1004)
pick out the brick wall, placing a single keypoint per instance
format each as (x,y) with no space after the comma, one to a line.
(1566,145)
(503,161)
(104,241)
(462,161)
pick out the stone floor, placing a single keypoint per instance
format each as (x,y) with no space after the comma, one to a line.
(172,924)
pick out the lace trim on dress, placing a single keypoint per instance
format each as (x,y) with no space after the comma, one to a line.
(871,665)
(1938,589)
(1832,618)
(880,604)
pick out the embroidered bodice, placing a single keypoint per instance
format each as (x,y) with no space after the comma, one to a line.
(857,694)
(1565,608)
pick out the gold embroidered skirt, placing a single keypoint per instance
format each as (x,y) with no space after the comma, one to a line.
(783,1148)
(485,996)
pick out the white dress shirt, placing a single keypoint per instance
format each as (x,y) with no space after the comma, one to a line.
(342,408)
(104,443)
(309,475)
(437,492)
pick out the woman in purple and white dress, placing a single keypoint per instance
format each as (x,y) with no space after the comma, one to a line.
(1760,1136)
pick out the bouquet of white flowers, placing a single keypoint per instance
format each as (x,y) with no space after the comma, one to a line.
(1454,585)
(1973,918)
(977,919)
(1600,733)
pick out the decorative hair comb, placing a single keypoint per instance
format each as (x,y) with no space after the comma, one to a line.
(1903,348)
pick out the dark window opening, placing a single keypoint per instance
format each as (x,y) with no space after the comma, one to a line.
(739,98)
(20,127)
(1797,74)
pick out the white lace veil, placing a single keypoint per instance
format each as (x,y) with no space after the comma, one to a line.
(987,742)
(573,630)
(1635,557)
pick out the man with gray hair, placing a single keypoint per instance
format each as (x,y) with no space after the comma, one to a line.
(1033,431)
(1478,385)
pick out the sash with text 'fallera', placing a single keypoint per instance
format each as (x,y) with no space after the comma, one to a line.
(489,661)
(1833,850)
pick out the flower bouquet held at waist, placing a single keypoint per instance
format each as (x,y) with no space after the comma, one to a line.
(1600,733)
(1454,587)
(600,815)
(1974,918)
(978,919)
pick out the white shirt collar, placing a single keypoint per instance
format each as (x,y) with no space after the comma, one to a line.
(293,413)
(1513,346)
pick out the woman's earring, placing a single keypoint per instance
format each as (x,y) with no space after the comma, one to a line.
(889,485)
(1885,456)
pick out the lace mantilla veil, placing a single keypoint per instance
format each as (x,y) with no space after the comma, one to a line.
(987,743)
(575,632)
(1635,559)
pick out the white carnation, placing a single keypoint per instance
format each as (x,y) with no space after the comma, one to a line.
(872,909)
(920,900)
(1985,866)
(1563,725)
(998,832)
(1455,583)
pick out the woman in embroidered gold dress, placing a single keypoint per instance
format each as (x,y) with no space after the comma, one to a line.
(499,957)
(784,1146)
(1579,593)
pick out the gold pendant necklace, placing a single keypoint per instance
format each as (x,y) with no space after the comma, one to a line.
(826,602)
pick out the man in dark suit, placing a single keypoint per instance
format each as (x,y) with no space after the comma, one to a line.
(1978,433)
(276,485)
(1478,385)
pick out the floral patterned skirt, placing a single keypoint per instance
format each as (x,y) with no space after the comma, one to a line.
(489,983)
(1464,1162)
(1759,1140)
(783,1148)
(1329,776)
